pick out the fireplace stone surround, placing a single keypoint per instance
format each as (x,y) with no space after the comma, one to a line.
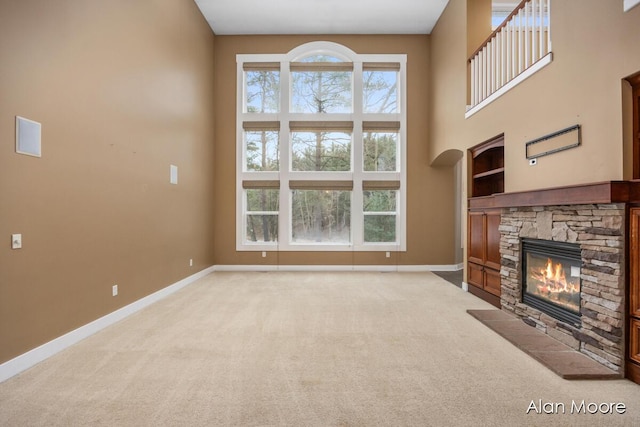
(599,230)
(594,217)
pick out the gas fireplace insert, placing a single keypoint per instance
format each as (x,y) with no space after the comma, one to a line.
(551,278)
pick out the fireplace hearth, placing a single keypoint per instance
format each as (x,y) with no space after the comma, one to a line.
(551,278)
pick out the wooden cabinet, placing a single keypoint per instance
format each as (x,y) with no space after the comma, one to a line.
(483,243)
(483,255)
(633,360)
(635,96)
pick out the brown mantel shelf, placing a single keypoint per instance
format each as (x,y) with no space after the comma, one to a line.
(598,192)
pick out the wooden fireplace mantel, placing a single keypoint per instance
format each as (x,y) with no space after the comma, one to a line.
(598,192)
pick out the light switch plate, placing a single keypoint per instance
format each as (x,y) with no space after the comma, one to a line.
(16,241)
(173,174)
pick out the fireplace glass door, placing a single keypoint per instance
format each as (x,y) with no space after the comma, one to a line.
(551,273)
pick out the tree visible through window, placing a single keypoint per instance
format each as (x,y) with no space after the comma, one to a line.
(338,139)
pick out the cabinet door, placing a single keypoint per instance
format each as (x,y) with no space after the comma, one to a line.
(634,269)
(476,237)
(476,275)
(634,290)
(492,281)
(634,338)
(492,233)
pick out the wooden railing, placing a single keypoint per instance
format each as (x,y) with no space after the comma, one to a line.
(519,43)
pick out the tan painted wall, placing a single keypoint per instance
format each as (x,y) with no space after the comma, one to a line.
(478,23)
(430,190)
(595,46)
(123,89)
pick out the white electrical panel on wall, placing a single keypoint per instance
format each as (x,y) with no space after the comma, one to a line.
(28,137)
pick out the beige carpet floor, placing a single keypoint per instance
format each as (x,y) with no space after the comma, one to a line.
(304,349)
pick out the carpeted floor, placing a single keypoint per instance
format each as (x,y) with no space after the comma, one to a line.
(304,349)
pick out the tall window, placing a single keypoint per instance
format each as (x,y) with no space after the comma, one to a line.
(321,150)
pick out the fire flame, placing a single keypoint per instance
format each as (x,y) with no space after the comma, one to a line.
(553,280)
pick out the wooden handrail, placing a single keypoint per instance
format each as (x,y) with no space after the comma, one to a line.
(520,6)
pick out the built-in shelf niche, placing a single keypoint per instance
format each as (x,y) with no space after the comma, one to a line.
(487,167)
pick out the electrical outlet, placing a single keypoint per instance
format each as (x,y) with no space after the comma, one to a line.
(388,254)
(264,254)
(191,262)
(114,290)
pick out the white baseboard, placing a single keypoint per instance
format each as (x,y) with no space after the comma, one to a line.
(337,268)
(20,363)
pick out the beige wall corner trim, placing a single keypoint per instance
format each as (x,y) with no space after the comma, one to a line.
(339,268)
(25,361)
(543,62)
(629,4)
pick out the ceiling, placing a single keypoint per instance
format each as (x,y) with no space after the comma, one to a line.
(235,17)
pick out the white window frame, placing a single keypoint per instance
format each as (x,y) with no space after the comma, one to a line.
(356,175)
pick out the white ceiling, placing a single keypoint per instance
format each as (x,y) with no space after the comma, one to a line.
(233,17)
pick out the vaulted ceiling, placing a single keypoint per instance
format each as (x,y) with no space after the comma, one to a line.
(234,17)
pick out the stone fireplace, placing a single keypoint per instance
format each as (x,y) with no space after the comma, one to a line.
(575,291)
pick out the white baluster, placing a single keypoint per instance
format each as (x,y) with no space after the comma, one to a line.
(492,55)
(534,38)
(520,42)
(527,34)
(541,29)
(503,39)
(549,49)
(483,74)
(474,86)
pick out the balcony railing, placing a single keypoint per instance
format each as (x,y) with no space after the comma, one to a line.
(519,47)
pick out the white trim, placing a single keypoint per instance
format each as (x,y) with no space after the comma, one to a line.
(25,361)
(629,4)
(465,286)
(339,268)
(543,62)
